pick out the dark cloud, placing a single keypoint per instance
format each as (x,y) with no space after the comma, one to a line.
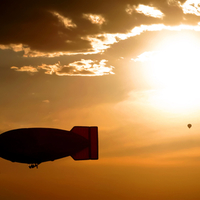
(34,23)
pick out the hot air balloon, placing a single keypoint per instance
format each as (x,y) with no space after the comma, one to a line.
(189,125)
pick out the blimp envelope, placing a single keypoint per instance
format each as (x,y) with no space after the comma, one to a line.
(37,145)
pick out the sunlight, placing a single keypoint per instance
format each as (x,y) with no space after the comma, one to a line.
(175,73)
(176,100)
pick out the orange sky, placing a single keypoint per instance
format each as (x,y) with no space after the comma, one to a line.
(129,67)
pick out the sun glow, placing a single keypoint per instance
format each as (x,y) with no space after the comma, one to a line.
(175,73)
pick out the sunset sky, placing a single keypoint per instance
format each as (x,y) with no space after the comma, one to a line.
(130,67)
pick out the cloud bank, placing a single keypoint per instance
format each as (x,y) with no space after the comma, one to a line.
(70,27)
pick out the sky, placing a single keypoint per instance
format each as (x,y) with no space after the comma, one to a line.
(129,67)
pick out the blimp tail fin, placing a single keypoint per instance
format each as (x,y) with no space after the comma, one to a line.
(91,134)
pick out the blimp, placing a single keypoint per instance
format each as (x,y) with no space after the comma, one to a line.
(37,145)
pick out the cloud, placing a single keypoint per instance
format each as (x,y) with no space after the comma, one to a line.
(51,69)
(16,48)
(86,68)
(77,68)
(66,21)
(46,101)
(94,19)
(144,56)
(51,28)
(146,10)
(100,42)
(191,7)
(25,69)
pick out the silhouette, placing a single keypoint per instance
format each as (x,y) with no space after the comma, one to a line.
(36,145)
(189,125)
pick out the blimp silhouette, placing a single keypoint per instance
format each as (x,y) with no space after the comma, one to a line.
(36,145)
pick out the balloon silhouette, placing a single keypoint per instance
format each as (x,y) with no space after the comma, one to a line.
(189,125)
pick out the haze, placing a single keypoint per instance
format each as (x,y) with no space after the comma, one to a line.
(129,67)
